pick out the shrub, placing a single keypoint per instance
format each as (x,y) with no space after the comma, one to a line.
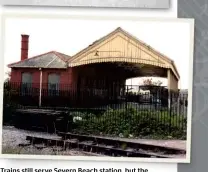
(130,122)
(8,106)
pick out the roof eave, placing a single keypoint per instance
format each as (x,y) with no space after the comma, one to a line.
(36,67)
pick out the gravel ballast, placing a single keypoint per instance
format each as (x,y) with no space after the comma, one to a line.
(12,137)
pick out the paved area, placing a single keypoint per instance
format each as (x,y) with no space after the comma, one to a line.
(178,144)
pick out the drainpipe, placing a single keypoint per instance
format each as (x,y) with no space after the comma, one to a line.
(40,87)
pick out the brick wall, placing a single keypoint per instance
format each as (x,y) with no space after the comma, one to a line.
(66,76)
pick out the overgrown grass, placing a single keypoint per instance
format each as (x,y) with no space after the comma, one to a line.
(132,123)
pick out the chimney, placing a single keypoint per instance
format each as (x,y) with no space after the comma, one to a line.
(24,47)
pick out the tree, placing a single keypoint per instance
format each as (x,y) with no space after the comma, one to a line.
(150,82)
(8,76)
(157,83)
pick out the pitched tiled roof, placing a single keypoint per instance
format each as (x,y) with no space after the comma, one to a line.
(51,59)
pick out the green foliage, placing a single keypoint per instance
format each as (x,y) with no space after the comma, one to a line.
(129,122)
(8,105)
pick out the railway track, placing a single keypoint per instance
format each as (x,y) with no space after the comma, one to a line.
(105,146)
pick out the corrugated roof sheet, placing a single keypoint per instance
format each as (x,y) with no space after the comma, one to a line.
(48,60)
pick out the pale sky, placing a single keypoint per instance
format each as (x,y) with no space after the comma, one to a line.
(69,36)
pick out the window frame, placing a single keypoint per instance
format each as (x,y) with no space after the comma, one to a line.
(26,87)
(53,88)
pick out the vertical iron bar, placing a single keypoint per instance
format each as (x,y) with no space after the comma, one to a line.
(170,110)
(40,88)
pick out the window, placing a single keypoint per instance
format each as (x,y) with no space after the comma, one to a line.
(26,85)
(53,84)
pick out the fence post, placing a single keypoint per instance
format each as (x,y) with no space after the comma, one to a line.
(178,104)
(170,112)
(40,90)
(126,99)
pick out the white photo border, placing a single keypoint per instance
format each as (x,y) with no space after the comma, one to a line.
(88,158)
